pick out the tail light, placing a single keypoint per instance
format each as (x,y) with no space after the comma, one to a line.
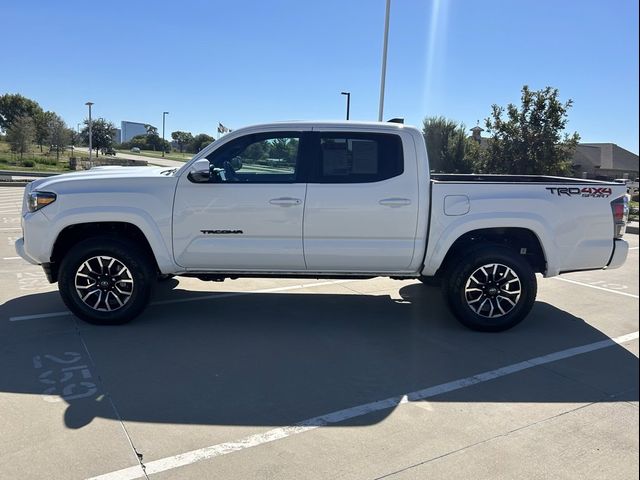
(620,211)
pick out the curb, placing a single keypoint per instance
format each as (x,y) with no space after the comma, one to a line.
(14,184)
(27,173)
(632,229)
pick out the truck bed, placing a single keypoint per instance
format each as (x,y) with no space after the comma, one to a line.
(537,179)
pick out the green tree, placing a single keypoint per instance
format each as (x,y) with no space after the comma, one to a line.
(446,145)
(256,151)
(74,137)
(283,148)
(58,134)
(20,134)
(139,141)
(154,142)
(199,142)
(102,133)
(151,130)
(15,105)
(147,142)
(42,121)
(182,139)
(475,155)
(530,139)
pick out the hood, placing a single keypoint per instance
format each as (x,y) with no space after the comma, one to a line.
(101,173)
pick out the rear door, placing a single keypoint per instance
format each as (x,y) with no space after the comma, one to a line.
(361,208)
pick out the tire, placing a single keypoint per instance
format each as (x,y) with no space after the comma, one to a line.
(114,296)
(482,286)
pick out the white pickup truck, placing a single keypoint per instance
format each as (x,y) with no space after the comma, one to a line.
(311,200)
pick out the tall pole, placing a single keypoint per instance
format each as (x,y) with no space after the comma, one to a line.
(384,60)
(90,139)
(163,115)
(348,94)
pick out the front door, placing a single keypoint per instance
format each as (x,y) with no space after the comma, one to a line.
(249,215)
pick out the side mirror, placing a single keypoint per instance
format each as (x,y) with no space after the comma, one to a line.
(200,171)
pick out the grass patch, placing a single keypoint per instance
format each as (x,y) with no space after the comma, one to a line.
(35,160)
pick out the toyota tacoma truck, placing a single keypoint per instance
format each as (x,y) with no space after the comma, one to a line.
(318,200)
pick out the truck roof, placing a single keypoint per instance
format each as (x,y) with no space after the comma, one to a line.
(328,124)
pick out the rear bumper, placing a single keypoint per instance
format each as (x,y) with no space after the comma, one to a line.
(619,256)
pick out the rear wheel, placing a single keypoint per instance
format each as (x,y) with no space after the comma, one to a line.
(490,289)
(106,280)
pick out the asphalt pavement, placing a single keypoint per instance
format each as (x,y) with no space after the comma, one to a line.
(315,379)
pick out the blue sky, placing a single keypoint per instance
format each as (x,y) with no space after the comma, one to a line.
(242,62)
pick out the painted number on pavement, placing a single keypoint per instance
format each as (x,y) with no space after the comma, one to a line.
(64,377)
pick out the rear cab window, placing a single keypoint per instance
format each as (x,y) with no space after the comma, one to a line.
(345,157)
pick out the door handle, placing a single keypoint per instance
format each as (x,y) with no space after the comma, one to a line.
(285,201)
(395,202)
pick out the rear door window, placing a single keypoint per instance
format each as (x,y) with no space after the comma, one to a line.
(357,158)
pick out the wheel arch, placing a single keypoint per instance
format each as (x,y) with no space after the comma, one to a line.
(71,235)
(521,240)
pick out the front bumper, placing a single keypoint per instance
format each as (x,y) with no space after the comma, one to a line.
(620,252)
(20,251)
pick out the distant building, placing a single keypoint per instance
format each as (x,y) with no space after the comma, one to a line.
(600,161)
(476,134)
(605,161)
(131,129)
(117,136)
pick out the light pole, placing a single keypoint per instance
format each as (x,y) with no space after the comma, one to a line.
(348,94)
(90,139)
(384,60)
(163,115)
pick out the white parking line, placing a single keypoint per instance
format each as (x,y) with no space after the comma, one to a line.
(183,459)
(634,248)
(596,287)
(12,258)
(10,228)
(211,296)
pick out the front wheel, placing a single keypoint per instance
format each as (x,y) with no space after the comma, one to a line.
(490,289)
(106,280)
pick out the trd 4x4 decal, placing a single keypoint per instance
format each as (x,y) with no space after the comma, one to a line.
(596,192)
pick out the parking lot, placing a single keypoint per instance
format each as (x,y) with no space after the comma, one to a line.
(315,379)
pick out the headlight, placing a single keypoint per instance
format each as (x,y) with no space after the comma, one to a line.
(37,200)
